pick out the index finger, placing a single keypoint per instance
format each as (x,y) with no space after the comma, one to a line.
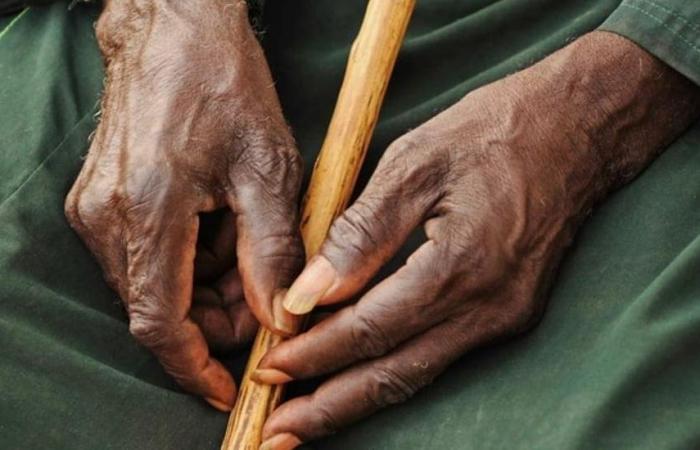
(160,255)
(415,298)
(265,186)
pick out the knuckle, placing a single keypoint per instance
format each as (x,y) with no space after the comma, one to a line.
(413,142)
(472,255)
(522,314)
(356,229)
(102,32)
(368,338)
(285,250)
(141,328)
(100,234)
(464,251)
(413,166)
(70,208)
(271,158)
(88,208)
(149,329)
(107,36)
(328,422)
(292,158)
(398,162)
(118,21)
(84,210)
(277,168)
(292,162)
(508,317)
(389,387)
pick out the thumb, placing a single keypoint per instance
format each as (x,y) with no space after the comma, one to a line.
(264,194)
(361,240)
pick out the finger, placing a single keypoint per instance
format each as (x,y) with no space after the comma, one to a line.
(161,264)
(398,197)
(370,386)
(264,195)
(222,314)
(225,328)
(227,290)
(419,295)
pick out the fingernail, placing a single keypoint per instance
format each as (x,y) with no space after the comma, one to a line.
(270,376)
(283,441)
(284,321)
(218,404)
(310,287)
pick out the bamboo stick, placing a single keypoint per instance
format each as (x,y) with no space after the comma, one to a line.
(367,74)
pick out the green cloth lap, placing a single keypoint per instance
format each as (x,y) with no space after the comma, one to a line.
(612,365)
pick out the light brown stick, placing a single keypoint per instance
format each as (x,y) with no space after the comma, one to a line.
(369,68)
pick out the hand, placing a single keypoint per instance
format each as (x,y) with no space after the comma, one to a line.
(500,182)
(190,123)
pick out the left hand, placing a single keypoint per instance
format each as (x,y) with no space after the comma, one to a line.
(500,181)
(190,124)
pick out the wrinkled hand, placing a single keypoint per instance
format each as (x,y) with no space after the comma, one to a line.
(190,124)
(500,181)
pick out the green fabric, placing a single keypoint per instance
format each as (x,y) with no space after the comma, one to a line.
(10,6)
(71,376)
(669,29)
(613,364)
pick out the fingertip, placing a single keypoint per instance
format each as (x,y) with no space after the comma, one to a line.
(273,367)
(217,386)
(221,406)
(282,441)
(265,300)
(270,376)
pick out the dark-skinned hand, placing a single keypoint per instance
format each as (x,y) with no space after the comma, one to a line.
(190,123)
(500,182)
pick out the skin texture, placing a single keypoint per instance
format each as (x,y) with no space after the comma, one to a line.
(500,183)
(190,124)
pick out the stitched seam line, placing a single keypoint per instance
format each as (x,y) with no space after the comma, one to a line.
(13,22)
(661,22)
(43,161)
(672,13)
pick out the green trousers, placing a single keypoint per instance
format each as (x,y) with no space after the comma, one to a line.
(614,364)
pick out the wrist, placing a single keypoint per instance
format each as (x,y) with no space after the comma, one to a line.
(605,108)
(640,104)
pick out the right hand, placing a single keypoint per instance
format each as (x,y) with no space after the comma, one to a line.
(499,183)
(190,123)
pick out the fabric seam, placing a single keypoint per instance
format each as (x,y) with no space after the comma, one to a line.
(661,22)
(672,13)
(12,23)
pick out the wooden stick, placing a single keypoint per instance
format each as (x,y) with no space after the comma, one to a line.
(369,68)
